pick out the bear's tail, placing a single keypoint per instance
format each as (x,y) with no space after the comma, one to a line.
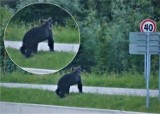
(22,49)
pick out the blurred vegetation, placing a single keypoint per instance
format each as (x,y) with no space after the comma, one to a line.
(104,27)
(6,65)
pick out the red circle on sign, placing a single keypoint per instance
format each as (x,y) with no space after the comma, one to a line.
(147,20)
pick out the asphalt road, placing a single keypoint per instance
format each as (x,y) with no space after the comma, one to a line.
(23,108)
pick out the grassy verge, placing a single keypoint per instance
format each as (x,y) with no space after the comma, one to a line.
(126,80)
(20,77)
(15,32)
(66,35)
(46,60)
(127,103)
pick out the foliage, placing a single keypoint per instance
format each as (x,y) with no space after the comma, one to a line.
(5,63)
(61,34)
(109,35)
(105,27)
(34,12)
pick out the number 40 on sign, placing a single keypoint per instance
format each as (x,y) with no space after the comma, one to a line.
(148,25)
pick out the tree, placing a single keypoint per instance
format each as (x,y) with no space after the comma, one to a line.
(5,63)
(104,27)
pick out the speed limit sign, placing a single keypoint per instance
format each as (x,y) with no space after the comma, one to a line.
(148,25)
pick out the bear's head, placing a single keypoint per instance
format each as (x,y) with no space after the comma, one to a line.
(76,70)
(46,23)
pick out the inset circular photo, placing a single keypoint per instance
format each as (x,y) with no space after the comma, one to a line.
(42,38)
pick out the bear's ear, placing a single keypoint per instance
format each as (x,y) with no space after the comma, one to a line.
(72,68)
(79,68)
(76,68)
(41,21)
(50,19)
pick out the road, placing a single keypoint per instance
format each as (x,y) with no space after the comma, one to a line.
(88,89)
(24,108)
(43,46)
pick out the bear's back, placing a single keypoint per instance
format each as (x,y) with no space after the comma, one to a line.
(36,34)
(69,79)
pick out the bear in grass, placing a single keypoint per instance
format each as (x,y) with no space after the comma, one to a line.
(68,80)
(37,35)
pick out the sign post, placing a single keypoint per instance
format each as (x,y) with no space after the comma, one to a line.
(147,43)
(159,77)
(159,71)
(148,70)
(147,25)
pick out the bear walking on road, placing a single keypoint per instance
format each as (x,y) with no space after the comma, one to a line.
(68,80)
(37,35)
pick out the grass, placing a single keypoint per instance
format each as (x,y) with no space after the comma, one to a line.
(15,32)
(127,103)
(47,60)
(20,77)
(66,35)
(126,80)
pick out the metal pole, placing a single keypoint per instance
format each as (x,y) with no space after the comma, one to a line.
(145,65)
(159,77)
(159,69)
(148,72)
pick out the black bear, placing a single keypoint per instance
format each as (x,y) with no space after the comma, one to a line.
(36,35)
(68,80)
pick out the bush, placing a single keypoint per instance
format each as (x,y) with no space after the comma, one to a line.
(5,63)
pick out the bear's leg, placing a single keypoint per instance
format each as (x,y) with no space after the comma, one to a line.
(80,86)
(62,93)
(51,44)
(64,90)
(35,48)
(31,47)
(28,53)
(67,90)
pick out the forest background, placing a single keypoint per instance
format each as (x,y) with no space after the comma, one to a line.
(104,29)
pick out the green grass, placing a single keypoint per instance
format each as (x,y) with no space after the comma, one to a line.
(15,32)
(20,77)
(47,60)
(66,35)
(126,80)
(127,103)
